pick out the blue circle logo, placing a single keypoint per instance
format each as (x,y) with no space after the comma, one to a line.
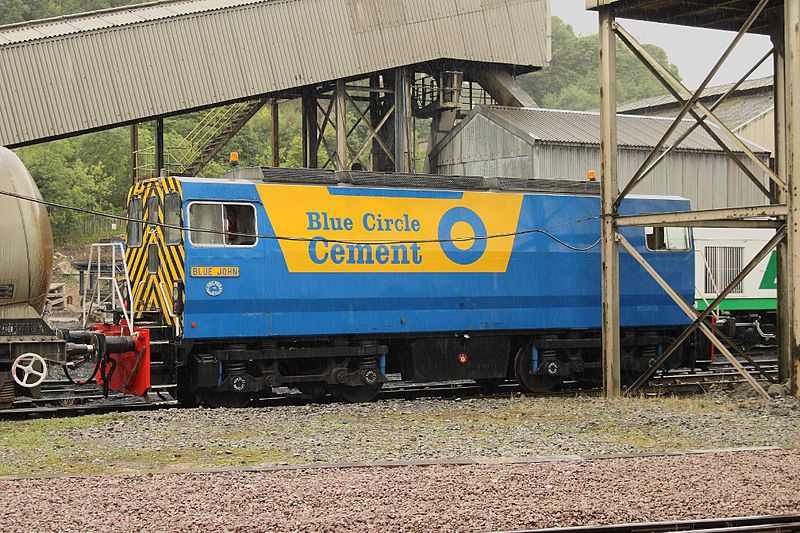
(214,288)
(451,250)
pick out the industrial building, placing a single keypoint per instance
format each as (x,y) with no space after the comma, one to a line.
(498,141)
(749,110)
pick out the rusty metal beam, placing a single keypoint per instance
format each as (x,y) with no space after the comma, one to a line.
(612,361)
(720,217)
(690,102)
(692,314)
(792,144)
(765,251)
(648,169)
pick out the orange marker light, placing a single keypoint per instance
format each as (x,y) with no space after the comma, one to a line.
(234,159)
(591,175)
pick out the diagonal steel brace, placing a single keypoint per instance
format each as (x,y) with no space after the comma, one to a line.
(645,377)
(692,313)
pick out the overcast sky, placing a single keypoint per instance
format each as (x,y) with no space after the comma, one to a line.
(693,50)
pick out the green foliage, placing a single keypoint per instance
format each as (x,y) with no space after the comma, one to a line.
(66,178)
(572,79)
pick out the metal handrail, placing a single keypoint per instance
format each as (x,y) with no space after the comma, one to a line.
(116,292)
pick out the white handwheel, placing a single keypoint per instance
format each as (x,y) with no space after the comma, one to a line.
(28,364)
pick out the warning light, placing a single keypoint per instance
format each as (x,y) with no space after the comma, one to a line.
(591,175)
(194,324)
(234,159)
(463,358)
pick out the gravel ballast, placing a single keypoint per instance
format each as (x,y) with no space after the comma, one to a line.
(414,499)
(391,430)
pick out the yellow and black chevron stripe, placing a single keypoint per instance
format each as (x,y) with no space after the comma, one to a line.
(152,292)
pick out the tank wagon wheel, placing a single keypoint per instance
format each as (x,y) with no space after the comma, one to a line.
(528,381)
(360,394)
(234,400)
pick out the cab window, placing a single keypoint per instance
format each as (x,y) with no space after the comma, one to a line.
(152,210)
(225,224)
(172,217)
(667,239)
(135,226)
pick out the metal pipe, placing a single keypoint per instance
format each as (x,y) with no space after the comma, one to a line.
(276,141)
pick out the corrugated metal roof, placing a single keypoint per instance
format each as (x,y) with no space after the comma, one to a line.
(108,18)
(76,74)
(574,127)
(754,86)
(735,112)
(728,15)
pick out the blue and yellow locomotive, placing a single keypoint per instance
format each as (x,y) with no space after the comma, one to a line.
(327,282)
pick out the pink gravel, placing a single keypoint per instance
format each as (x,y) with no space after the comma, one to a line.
(432,498)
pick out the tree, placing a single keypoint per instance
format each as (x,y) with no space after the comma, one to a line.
(572,79)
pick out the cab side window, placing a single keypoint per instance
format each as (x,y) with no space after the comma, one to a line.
(135,226)
(240,225)
(667,239)
(172,219)
(222,224)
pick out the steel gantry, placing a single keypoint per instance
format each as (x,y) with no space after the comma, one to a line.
(779,184)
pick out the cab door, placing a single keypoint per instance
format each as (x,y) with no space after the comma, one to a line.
(155,252)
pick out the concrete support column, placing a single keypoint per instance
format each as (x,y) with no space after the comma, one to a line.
(341,126)
(612,380)
(402,123)
(792,144)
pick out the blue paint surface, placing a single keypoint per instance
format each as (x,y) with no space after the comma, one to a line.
(546,285)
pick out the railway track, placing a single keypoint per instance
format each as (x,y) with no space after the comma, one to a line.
(61,398)
(766,524)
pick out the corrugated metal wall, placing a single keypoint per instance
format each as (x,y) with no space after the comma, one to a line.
(94,73)
(708,179)
(483,148)
(761,131)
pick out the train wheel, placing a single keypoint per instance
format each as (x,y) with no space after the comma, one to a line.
(226,399)
(528,381)
(360,394)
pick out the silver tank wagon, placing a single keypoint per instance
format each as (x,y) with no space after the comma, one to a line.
(26,257)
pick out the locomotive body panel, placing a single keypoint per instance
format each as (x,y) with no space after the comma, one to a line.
(361,261)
